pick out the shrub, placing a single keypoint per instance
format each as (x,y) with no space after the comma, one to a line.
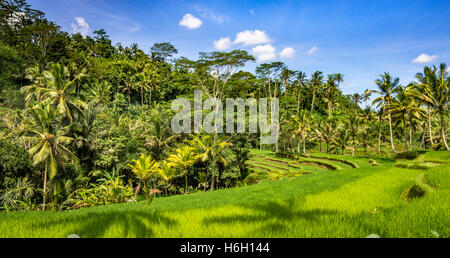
(415,191)
(409,155)
(113,191)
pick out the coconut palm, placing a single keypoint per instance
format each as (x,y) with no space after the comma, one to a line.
(33,92)
(353,127)
(183,159)
(208,149)
(144,167)
(342,138)
(326,131)
(301,128)
(60,91)
(386,89)
(315,84)
(167,172)
(17,196)
(158,134)
(50,142)
(301,80)
(403,106)
(331,94)
(433,89)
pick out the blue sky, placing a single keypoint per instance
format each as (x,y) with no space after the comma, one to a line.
(360,39)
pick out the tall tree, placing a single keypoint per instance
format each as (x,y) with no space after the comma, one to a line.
(302,127)
(50,142)
(183,159)
(315,84)
(433,89)
(386,89)
(60,91)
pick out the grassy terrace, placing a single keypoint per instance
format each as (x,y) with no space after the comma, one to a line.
(351,202)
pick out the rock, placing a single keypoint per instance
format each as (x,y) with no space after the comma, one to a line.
(73,236)
(373,236)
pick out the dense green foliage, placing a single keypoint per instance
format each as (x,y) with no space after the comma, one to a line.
(85,123)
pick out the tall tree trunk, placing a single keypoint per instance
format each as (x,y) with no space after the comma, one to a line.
(312,102)
(405,133)
(379,137)
(206,179)
(45,186)
(429,127)
(390,132)
(213,178)
(165,187)
(410,136)
(298,145)
(353,147)
(422,144)
(304,145)
(443,133)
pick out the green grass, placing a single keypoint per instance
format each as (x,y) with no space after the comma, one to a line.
(352,202)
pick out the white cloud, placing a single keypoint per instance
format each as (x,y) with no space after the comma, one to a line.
(448,69)
(287,52)
(223,43)
(313,50)
(252,37)
(190,21)
(81,27)
(264,52)
(208,14)
(424,58)
(252,12)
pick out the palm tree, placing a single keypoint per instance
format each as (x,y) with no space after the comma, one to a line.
(61,91)
(158,133)
(331,94)
(167,172)
(144,167)
(302,127)
(22,192)
(357,99)
(326,131)
(50,148)
(33,92)
(183,159)
(315,84)
(208,149)
(433,89)
(386,89)
(129,83)
(342,138)
(301,79)
(140,85)
(353,127)
(101,92)
(401,107)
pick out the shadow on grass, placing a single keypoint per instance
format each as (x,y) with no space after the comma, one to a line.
(275,216)
(125,223)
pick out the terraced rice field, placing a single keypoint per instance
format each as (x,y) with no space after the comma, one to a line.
(265,165)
